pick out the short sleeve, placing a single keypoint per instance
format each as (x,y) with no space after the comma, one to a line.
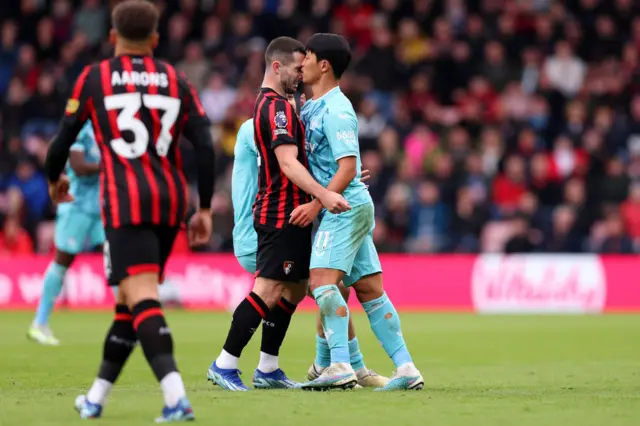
(244,139)
(341,131)
(248,139)
(283,123)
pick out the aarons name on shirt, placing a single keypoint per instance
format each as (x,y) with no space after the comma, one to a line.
(139,78)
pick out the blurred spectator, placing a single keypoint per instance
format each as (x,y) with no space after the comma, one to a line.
(530,74)
(543,184)
(14,240)
(496,68)
(46,44)
(565,71)
(630,211)
(467,222)
(396,214)
(370,123)
(429,220)
(379,62)
(520,241)
(44,109)
(355,16)
(29,184)
(8,54)
(91,20)
(217,97)
(562,236)
(509,186)
(608,236)
(414,47)
(194,65)
(62,20)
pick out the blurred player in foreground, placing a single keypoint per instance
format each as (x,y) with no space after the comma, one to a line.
(78,226)
(244,187)
(139,108)
(343,247)
(282,258)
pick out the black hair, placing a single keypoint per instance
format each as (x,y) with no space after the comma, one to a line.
(135,20)
(333,49)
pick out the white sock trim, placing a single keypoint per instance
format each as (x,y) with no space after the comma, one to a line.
(99,391)
(408,369)
(172,388)
(268,363)
(227,361)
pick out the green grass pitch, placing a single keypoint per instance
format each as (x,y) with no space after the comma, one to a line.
(479,370)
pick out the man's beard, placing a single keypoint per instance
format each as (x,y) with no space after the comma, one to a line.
(289,87)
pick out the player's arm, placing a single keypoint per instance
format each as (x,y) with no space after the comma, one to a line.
(341,132)
(283,142)
(287,155)
(79,165)
(76,114)
(77,155)
(197,131)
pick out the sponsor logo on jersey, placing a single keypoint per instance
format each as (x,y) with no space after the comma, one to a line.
(348,136)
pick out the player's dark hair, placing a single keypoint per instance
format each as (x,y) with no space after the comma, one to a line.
(281,49)
(333,49)
(135,20)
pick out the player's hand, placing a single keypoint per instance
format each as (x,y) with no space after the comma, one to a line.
(305,214)
(334,202)
(200,227)
(365,175)
(59,191)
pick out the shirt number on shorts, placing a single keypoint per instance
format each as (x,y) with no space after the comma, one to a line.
(323,239)
(130,104)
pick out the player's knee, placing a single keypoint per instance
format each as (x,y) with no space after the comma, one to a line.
(310,293)
(369,288)
(295,292)
(323,276)
(120,297)
(270,291)
(345,291)
(139,287)
(64,259)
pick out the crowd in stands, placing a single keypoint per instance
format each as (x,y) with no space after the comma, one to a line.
(487,125)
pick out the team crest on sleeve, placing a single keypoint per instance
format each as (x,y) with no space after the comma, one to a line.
(72,106)
(287,266)
(280,119)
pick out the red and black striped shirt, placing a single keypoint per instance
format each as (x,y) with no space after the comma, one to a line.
(276,123)
(139,107)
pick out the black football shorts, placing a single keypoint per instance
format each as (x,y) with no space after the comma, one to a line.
(131,250)
(283,254)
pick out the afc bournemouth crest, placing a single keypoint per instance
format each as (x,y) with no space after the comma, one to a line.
(287,266)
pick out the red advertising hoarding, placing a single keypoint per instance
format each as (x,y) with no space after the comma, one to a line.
(485,284)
